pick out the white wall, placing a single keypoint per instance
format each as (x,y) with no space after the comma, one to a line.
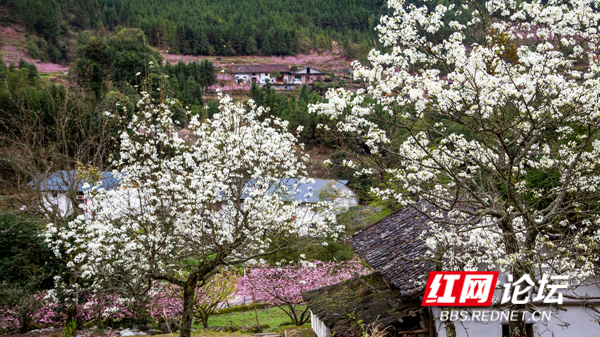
(259,76)
(245,77)
(576,321)
(60,200)
(320,329)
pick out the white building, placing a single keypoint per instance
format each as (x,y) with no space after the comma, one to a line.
(260,74)
(392,298)
(58,189)
(308,75)
(63,191)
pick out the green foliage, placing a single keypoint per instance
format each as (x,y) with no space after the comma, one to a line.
(131,56)
(242,308)
(45,19)
(285,106)
(23,96)
(27,266)
(92,65)
(330,251)
(133,65)
(30,71)
(275,74)
(201,27)
(69,329)
(24,302)
(126,58)
(23,252)
(353,219)
(361,184)
(212,108)
(37,48)
(188,81)
(322,88)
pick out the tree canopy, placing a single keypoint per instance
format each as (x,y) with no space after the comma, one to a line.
(201,27)
(492,131)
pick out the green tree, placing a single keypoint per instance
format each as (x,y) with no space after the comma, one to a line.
(275,74)
(207,75)
(92,66)
(23,251)
(131,56)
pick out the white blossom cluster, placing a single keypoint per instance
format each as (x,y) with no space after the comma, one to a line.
(477,103)
(189,204)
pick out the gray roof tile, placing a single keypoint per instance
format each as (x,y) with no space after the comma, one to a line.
(393,248)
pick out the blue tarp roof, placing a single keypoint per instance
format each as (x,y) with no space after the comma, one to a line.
(316,187)
(60,180)
(319,186)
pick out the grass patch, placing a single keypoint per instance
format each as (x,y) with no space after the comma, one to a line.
(207,333)
(273,317)
(243,307)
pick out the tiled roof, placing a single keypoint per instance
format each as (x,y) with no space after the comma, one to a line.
(308,70)
(261,68)
(341,305)
(393,248)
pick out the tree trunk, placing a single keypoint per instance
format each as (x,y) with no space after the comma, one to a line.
(71,314)
(70,321)
(517,328)
(188,307)
(25,321)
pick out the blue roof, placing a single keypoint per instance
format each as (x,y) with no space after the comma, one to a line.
(316,188)
(60,181)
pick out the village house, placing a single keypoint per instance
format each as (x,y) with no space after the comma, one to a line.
(324,189)
(260,74)
(58,189)
(390,299)
(308,75)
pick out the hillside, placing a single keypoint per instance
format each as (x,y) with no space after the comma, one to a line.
(199,27)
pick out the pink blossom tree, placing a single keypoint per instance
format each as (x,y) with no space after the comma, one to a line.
(218,289)
(282,286)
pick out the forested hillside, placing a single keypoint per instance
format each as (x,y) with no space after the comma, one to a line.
(202,27)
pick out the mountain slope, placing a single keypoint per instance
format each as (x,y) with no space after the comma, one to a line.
(204,27)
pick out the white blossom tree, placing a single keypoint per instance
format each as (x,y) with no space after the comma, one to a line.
(484,115)
(188,206)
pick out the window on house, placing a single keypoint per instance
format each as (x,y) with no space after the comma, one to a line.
(528,330)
